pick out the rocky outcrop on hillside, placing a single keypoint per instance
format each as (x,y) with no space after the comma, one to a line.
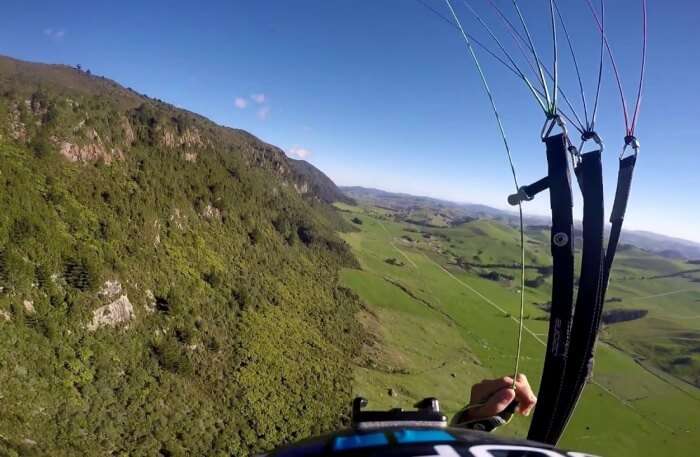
(315,181)
(120,311)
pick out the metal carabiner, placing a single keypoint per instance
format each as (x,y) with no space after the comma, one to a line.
(633,142)
(549,125)
(591,135)
(575,155)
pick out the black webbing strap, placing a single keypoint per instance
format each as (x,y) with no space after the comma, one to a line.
(622,194)
(561,313)
(589,304)
(585,363)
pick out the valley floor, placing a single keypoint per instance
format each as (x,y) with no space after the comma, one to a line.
(438,328)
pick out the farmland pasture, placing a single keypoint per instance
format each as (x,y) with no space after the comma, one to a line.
(439,327)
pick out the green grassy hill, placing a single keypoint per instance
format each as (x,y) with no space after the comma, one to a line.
(167,286)
(438,325)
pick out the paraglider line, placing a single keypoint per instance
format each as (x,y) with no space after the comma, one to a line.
(520,41)
(515,181)
(640,88)
(575,60)
(544,106)
(572,118)
(534,51)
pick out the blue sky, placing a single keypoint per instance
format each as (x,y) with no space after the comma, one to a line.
(382,93)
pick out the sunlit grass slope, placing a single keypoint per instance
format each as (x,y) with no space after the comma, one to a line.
(438,328)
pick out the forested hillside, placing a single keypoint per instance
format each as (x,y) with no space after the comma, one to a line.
(167,286)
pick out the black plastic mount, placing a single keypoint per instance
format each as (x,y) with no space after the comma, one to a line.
(427,414)
(527,193)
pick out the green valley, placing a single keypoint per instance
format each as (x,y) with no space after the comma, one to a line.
(442,315)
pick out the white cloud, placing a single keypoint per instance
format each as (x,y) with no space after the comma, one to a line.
(258,98)
(299,153)
(55,34)
(264,113)
(240,102)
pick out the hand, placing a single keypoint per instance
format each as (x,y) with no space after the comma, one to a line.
(494,395)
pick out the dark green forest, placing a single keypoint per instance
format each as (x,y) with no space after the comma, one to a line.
(165,288)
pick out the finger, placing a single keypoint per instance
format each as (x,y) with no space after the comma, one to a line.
(496,403)
(486,388)
(522,381)
(524,395)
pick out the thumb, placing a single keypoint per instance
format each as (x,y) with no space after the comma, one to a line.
(497,402)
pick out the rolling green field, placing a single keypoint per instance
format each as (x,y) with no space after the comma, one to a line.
(440,324)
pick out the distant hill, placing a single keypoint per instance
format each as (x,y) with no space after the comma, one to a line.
(168,286)
(411,202)
(663,245)
(424,209)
